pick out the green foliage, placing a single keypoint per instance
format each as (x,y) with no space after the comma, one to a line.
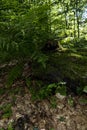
(62,88)
(57,87)
(28,82)
(85,89)
(14,74)
(23,39)
(80,90)
(62,119)
(41,59)
(80,43)
(40,94)
(10,127)
(7,112)
(25,27)
(83,100)
(53,102)
(2,91)
(71,101)
(40,91)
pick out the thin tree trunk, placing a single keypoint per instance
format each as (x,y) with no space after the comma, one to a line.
(77,18)
(74,26)
(49,16)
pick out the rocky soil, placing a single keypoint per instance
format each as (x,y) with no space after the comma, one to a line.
(18,110)
(56,113)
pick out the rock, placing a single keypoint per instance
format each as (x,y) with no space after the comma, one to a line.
(59,96)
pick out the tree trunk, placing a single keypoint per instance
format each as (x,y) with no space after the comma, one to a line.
(74,26)
(77,18)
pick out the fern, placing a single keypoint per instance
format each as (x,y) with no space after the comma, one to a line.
(14,74)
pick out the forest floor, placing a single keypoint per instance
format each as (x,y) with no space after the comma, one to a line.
(18,110)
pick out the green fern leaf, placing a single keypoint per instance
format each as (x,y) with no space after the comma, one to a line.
(14,74)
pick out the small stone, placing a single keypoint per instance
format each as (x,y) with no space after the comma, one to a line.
(59,96)
(60,106)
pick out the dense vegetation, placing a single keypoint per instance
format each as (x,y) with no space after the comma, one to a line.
(50,36)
